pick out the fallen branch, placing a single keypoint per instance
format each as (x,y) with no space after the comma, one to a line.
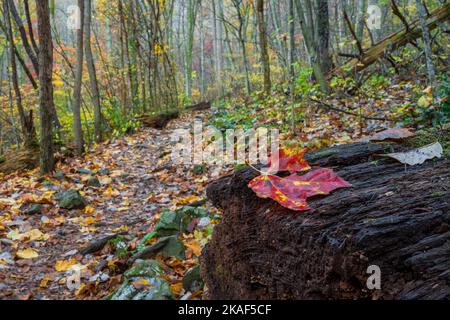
(333,108)
(393,42)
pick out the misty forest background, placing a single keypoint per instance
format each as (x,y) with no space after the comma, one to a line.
(149,57)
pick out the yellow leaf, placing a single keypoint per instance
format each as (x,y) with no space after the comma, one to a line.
(44,282)
(65,265)
(177,288)
(87,229)
(111,193)
(32,235)
(428,91)
(27,254)
(425,101)
(105,180)
(35,235)
(188,200)
(89,210)
(122,228)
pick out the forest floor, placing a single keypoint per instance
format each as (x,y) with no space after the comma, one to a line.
(137,181)
(127,183)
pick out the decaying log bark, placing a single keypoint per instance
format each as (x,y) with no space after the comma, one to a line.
(200,106)
(159,121)
(393,42)
(394,217)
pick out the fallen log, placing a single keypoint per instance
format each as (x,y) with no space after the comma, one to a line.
(393,42)
(158,121)
(24,159)
(394,217)
(205,105)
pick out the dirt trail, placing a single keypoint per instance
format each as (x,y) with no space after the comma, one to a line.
(138,182)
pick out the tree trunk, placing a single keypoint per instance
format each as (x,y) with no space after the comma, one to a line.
(46,105)
(360,20)
(263,45)
(323,39)
(426,42)
(395,218)
(307,27)
(26,121)
(77,128)
(191,17)
(92,74)
(23,35)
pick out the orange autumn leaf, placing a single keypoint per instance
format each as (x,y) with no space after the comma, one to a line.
(195,246)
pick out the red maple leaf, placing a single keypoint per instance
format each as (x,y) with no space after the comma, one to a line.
(292,192)
(288,159)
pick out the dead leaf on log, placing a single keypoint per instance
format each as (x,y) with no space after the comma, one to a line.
(418,156)
(393,134)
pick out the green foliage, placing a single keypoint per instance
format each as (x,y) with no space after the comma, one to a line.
(422,112)
(121,123)
(342,83)
(303,85)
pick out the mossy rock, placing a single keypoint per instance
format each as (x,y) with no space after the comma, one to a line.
(71,200)
(153,289)
(146,268)
(84,171)
(34,209)
(192,281)
(173,248)
(94,182)
(170,223)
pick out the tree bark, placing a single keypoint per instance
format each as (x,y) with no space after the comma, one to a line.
(263,45)
(23,35)
(426,42)
(46,105)
(92,74)
(323,39)
(26,120)
(396,219)
(77,128)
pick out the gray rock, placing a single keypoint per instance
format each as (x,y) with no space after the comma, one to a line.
(84,171)
(94,182)
(173,248)
(146,268)
(144,271)
(157,289)
(204,222)
(167,247)
(70,200)
(170,223)
(103,172)
(194,212)
(192,281)
(60,175)
(34,209)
